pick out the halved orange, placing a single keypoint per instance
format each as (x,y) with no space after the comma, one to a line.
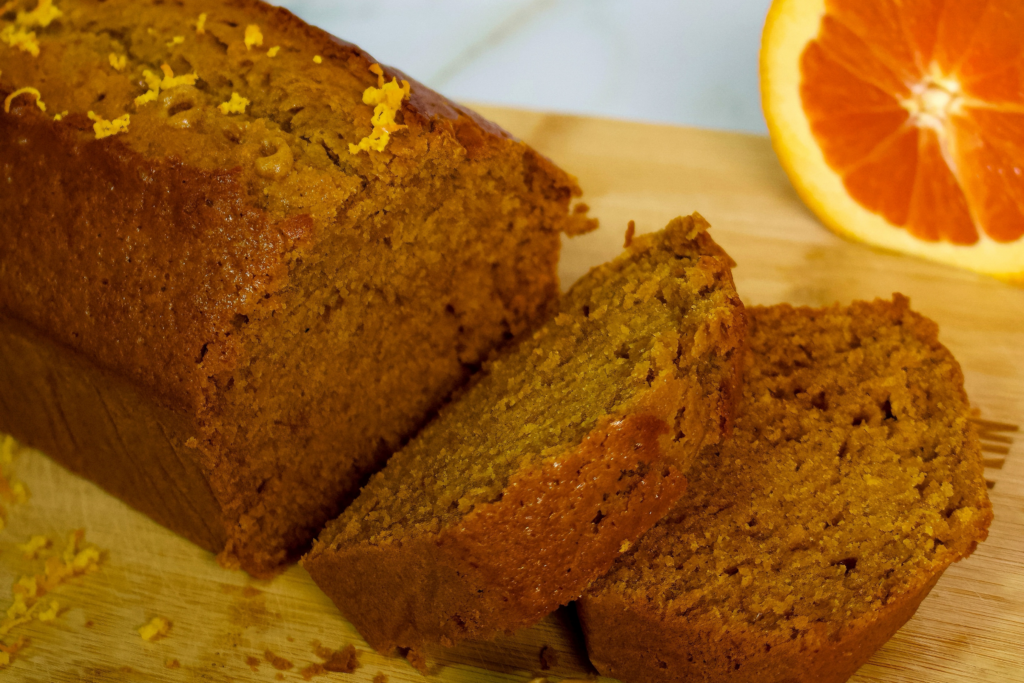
(901,122)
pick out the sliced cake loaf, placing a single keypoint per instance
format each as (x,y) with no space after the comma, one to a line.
(241,263)
(564,451)
(852,480)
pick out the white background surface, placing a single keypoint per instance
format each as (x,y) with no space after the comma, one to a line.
(688,62)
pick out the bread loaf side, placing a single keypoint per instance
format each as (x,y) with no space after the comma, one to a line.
(232,316)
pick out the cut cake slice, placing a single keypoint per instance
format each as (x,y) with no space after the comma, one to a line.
(852,480)
(563,452)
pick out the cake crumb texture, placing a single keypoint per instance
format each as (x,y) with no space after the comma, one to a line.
(853,479)
(562,452)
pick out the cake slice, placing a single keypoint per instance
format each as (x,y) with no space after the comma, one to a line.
(852,480)
(241,263)
(564,451)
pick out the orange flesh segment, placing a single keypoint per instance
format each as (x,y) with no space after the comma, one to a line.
(880,29)
(1005,86)
(995,183)
(886,178)
(921,27)
(997,36)
(940,185)
(938,203)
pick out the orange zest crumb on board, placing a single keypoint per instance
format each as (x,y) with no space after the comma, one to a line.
(253,36)
(31,548)
(386,99)
(11,491)
(105,129)
(50,613)
(28,591)
(157,628)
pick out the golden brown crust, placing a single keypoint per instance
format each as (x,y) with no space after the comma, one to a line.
(638,645)
(240,303)
(162,234)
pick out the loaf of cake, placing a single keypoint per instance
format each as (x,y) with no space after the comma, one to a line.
(241,263)
(852,480)
(558,456)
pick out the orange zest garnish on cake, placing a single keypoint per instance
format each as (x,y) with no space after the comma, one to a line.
(105,129)
(118,63)
(272,52)
(176,40)
(317,59)
(171,81)
(153,81)
(23,91)
(19,37)
(236,105)
(253,36)
(157,628)
(386,99)
(156,84)
(18,34)
(41,16)
(201,24)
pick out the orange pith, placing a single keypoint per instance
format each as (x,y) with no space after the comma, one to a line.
(919,107)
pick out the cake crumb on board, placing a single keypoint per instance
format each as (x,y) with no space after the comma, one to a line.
(312,670)
(548,658)
(343,660)
(418,659)
(279,663)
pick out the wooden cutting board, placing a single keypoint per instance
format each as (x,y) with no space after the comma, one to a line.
(228,627)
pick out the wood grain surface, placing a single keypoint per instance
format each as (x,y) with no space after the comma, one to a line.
(228,627)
